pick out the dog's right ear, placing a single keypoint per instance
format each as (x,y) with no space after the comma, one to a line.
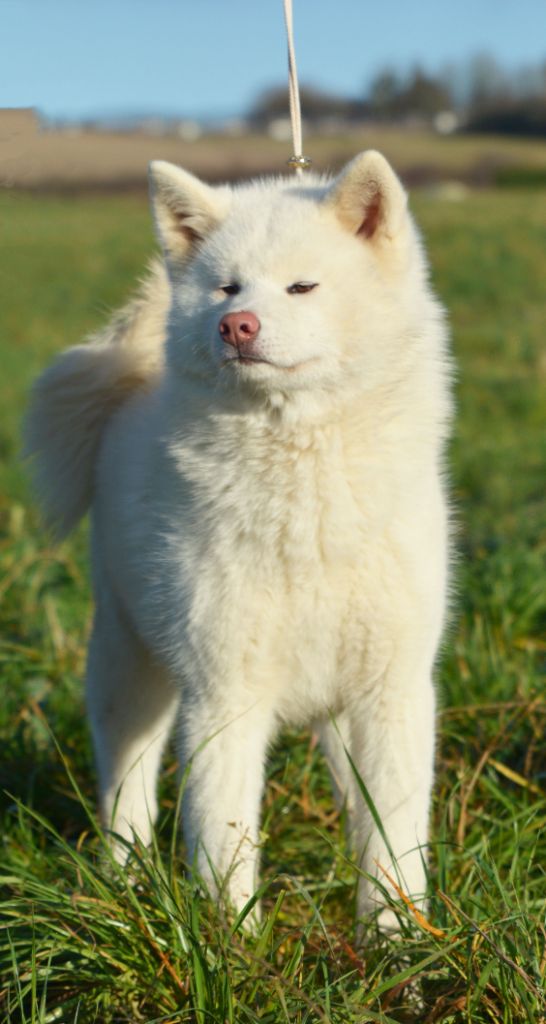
(185,209)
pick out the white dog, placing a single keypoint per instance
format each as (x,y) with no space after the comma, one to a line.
(259,436)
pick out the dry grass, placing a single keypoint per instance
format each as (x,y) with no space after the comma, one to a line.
(110,161)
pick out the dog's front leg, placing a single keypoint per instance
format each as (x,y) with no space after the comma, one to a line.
(224,749)
(392,747)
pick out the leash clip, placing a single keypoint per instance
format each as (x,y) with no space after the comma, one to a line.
(299,163)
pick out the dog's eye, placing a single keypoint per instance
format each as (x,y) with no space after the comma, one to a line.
(300,287)
(231,289)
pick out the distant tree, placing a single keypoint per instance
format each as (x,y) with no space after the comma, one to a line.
(384,92)
(485,96)
(425,94)
(505,103)
(453,77)
(530,81)
(316,104)
(487,82)
(512,117)
(419,94)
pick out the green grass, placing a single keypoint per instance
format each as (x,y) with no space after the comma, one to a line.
(78,940)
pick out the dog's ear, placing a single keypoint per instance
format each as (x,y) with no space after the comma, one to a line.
(185,209)
(368,198)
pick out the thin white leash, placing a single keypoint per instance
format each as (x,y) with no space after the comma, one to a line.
(297,161)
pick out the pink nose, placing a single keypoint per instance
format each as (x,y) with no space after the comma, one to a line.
(239,328)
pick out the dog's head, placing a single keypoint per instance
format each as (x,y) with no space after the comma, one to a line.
(283,286)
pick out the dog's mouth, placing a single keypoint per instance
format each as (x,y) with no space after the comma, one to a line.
(247,360)
(244,359)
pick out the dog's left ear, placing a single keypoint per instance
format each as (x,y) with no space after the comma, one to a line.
(368,198)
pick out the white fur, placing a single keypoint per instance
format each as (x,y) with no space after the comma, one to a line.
(269,538)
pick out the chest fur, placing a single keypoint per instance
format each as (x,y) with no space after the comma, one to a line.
(277,557)
(280,504)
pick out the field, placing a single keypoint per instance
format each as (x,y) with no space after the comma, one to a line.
(94,160)
(79,939)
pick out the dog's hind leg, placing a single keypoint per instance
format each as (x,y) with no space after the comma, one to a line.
(335,740)
(131,705)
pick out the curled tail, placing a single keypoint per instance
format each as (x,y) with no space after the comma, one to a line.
(74,398)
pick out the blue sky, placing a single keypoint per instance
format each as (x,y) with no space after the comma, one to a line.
(74,58)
